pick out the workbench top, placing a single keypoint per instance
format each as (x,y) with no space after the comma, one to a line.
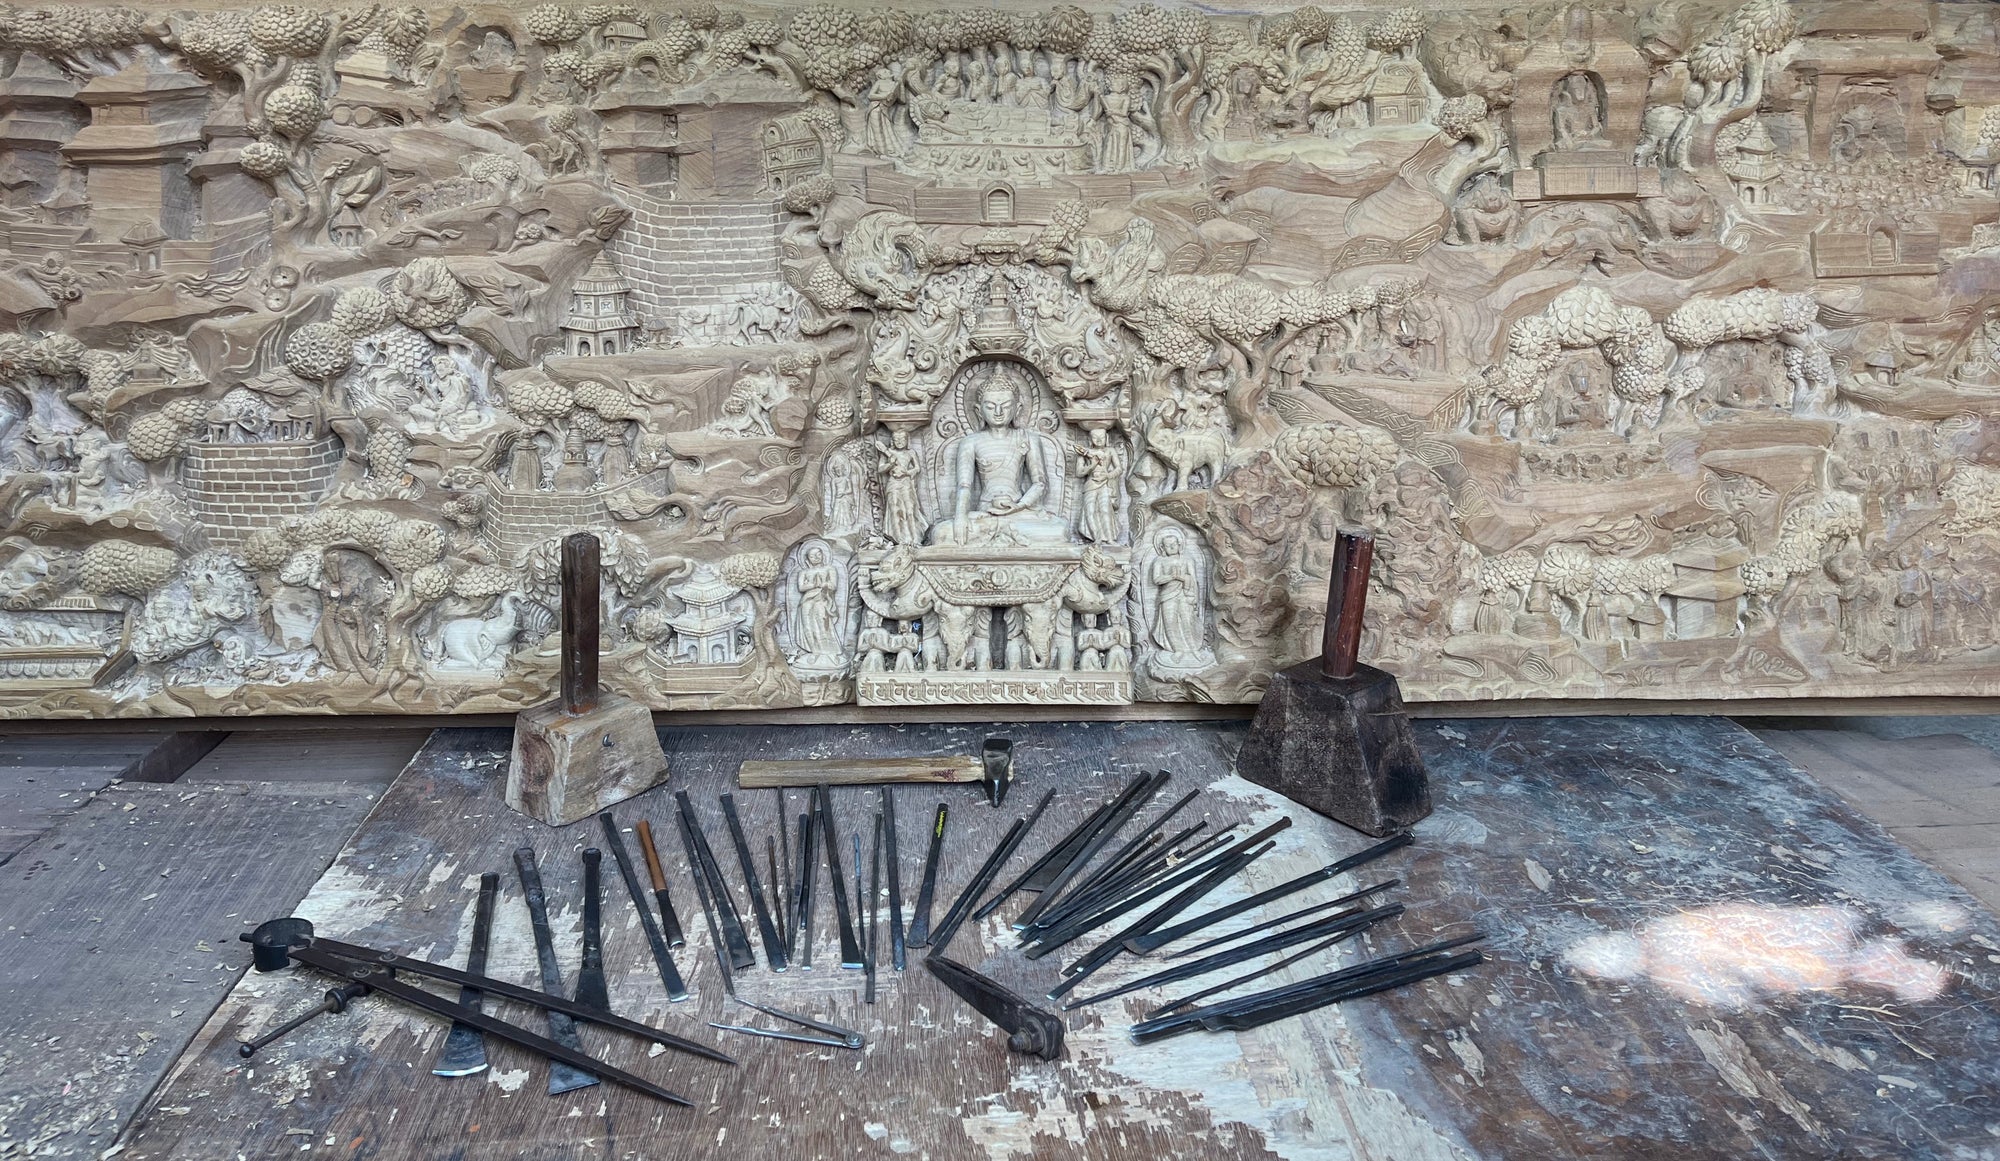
(1622,1015)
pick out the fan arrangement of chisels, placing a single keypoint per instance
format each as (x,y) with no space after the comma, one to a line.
(1141,880)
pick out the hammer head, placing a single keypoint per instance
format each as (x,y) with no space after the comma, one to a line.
(998,756)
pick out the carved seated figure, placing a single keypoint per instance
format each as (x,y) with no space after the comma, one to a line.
(1107,645)
(1482,212)
(883,649)
(1682,211)
(999,482)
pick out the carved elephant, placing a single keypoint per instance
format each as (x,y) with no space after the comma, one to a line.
(914,599)
(1047,640)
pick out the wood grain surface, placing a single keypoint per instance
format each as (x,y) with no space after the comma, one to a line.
(118,938)
(1547,833)
(942,769)
(44,778)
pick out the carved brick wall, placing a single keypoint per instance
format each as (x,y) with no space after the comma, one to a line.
(235,489)
(996,355)
(691,255)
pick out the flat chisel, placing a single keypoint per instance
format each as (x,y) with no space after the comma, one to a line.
(897,958)
(465,1048)
(920,918)
(562,1029)
(733,936)
(662,959)
(774,948)
(590,985)
(850,947)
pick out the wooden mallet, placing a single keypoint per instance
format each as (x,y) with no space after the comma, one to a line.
(586,750)
(1332,734)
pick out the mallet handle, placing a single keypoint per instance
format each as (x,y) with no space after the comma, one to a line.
(580,601)
(1346,594)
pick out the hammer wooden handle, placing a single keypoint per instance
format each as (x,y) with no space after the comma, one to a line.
(581,605)
(860,771)
(644,830)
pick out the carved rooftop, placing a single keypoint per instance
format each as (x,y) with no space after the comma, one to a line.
(1002,355)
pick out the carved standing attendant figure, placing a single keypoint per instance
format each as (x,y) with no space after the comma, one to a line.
(1177,630)
(881,135)
(902,515)
(1103,470)
(1117,153)
(818,630)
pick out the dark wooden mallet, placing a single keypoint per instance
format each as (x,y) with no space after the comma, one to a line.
(587,748)
(1331,733)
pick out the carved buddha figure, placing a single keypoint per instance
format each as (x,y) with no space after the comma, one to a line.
(1577,110)
(998,479)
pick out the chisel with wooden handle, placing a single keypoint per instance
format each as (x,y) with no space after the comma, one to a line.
(670,921)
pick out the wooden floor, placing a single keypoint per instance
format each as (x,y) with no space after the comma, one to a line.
(1934,782)
(361,752)
(43,778)
(120,915)
(128,862)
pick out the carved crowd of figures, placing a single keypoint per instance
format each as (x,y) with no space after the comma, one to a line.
(995,355)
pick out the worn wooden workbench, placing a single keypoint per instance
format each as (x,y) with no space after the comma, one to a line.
(1549,834)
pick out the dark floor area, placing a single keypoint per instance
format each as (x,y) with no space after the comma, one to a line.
(113,845)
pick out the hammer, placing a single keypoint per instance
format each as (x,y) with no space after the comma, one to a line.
(1332,734)
(993,769)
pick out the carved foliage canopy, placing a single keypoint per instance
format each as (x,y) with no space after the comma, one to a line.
(908,355)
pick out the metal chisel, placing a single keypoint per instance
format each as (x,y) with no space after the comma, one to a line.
(670,920)
(897,957)
(669,974)
(590,985)
(733,937)
(850,947)
(774,948)
(562,1029)
(920,918)
(465,1048)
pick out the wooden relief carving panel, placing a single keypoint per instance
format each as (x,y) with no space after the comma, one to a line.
(995,355)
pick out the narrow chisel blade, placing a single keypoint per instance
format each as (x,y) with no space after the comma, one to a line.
(670,975)
(920,919)
(733,936)
(898,958)
(774,950)
(850,946)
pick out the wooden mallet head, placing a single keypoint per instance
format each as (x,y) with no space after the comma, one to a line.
(1346,595)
